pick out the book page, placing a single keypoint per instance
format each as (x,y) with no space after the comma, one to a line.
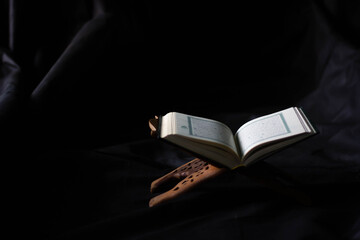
(268,128)
(204,129)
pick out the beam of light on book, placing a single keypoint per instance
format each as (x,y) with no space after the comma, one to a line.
(255,139)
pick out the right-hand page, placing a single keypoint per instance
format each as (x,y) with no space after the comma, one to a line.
(268,129)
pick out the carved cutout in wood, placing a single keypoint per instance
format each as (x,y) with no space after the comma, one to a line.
(189,175)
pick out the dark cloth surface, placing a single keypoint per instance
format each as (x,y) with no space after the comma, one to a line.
(79,81)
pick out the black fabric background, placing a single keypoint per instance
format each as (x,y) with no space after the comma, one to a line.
(80,79)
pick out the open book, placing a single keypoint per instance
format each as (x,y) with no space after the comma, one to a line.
(255,139)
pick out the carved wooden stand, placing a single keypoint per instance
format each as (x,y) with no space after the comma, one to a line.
(197,171)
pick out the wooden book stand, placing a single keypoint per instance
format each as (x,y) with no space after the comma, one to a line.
(198,171)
